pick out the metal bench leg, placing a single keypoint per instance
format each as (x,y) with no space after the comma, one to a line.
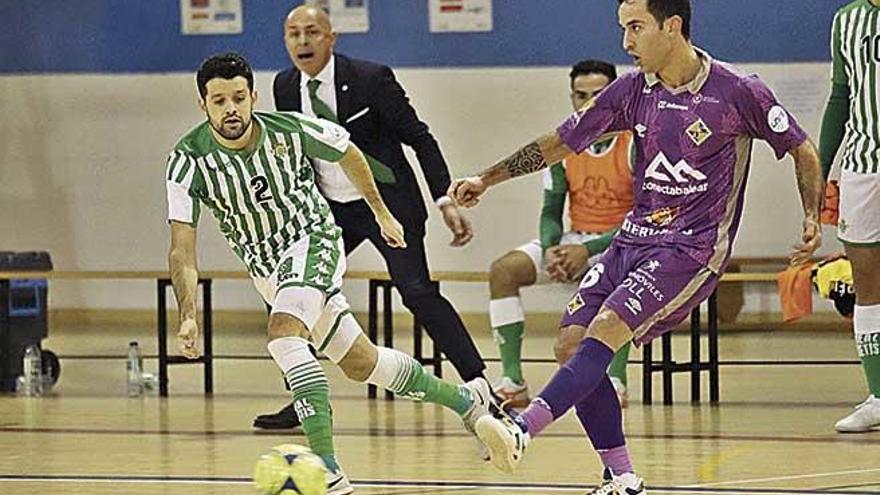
(667,365)
(208,330)
(647,373)
(695,355)
(372,326)
(162,332)
(387,324)
(714,379)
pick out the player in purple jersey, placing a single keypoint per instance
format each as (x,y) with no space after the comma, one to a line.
(694,120)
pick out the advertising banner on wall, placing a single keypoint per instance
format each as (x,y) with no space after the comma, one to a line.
(210,17)
(448,16)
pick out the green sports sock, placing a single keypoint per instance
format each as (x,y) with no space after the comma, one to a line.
(311,401)
(509,339)
(508,325)
(617,368)
(403,375)
(866,323)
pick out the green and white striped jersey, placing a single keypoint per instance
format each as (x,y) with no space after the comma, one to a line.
(855,46)
(264,199)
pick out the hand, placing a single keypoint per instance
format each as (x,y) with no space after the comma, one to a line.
(188,338)
(391,229)
(466,192)
(812,239)
(566,262)
(462,231)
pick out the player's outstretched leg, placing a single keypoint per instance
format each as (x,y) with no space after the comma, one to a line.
(311,393)
(341,338)
(573,382)
(602,420)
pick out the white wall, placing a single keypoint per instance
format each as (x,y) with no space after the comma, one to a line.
(83,156)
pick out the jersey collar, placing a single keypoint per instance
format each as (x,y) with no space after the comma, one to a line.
(696,83)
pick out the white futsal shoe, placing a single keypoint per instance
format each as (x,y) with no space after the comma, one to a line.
(625,484)
(864,418)
(338,483)
(483,406)
(505,440)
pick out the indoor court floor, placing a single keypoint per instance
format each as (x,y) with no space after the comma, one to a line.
(771,434)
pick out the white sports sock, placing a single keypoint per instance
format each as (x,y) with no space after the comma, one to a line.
(506,311)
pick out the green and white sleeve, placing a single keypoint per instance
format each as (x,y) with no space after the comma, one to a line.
(837,111)
(323,139)
(183,205)
(555,190)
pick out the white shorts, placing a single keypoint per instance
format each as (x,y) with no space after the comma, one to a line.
(533,250)
(307,284)
(859,221)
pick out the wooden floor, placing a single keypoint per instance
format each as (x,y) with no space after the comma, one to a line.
(772,432)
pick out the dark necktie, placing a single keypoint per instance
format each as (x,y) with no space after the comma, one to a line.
(381,172)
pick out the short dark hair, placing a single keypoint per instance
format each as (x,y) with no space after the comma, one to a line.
(664,9)
(226,66)
(587,67)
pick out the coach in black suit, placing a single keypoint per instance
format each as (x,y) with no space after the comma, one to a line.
(367,100)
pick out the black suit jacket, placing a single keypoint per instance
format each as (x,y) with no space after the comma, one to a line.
(374,108)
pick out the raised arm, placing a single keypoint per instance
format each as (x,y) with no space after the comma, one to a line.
(185,279)
(531,158)
(356,168)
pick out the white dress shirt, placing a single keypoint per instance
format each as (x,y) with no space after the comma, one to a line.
(332,181)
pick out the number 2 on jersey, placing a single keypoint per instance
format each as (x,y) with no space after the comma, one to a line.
(260,186)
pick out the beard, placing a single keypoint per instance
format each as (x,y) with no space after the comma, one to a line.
(233,131)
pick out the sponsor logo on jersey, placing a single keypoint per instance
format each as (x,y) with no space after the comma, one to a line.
(663,216)
(576,303)
(633,305)
(640,130)
(669,105)
(777,119)
(688,180)
(699,132)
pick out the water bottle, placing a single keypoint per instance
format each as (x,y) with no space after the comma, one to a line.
(133,370)
(32,379)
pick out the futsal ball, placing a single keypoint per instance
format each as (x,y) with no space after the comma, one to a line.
(290,469)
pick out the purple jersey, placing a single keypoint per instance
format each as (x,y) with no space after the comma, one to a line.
(693,148)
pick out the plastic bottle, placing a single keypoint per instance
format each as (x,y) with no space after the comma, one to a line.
(133,370)
(32,378)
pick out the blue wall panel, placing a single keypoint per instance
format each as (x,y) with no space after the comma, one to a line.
(144,35)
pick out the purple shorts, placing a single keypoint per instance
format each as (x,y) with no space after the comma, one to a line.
(652,288)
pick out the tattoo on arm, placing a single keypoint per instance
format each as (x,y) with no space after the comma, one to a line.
(525,161)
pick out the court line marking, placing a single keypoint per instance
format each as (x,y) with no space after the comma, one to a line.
(555,487)
(787,478)
(391,432)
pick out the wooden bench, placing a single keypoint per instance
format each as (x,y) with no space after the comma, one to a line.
(379,280)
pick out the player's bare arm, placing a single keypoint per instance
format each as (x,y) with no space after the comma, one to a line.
(531,158)
(810,185)
(356,168)
(185,279)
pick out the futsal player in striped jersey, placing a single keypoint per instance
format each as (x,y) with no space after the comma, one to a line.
(252,170)
(852,119)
